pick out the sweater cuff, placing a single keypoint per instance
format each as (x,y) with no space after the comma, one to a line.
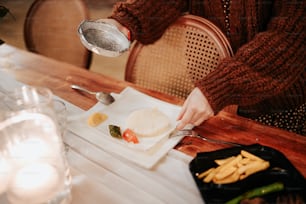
(147,21)
(127,20)
(217,88)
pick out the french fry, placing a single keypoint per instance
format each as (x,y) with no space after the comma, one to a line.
(222,161)
(231,163)
(205,173)
(225,173)
(250,165)
(245,161)
(255,168)
(230,179)
(249,155)
(210,176)
(234,168)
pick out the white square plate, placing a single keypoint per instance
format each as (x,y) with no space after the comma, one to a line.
(149,150)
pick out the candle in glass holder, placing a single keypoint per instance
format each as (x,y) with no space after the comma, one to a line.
(34,183)
(32,146)
(37,164)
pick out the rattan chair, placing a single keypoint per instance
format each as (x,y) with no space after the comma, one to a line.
(50,29)
(188,50)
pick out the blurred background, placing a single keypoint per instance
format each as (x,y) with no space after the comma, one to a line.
(11,31)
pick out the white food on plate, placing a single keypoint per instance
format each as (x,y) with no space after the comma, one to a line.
(148,122)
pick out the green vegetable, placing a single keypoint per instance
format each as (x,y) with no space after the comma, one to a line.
(274,187)
(115,131)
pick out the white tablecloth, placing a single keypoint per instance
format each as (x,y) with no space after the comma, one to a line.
(100,177)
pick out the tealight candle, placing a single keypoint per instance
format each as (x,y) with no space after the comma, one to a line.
(34,183)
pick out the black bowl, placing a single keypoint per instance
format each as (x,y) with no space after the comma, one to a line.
(280,170)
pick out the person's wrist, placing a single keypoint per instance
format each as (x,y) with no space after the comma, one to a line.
(125,31)
(120,27)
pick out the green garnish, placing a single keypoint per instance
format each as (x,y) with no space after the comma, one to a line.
(115,131)
(257,192)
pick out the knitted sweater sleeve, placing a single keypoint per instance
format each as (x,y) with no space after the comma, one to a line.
(266,66)
(147,19)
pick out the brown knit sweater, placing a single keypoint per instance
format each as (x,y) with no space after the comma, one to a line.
(268,71)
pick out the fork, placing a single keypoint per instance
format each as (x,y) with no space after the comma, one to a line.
(192,133)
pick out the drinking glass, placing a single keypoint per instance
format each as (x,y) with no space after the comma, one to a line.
(61,114)
(33,166)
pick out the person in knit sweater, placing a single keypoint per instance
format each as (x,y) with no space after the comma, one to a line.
(265,77)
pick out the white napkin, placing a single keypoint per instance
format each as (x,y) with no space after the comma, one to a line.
(149,150)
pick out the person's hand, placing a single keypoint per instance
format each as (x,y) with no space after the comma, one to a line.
(120,27)
(195,110)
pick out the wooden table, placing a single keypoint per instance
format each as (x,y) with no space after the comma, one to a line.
(37,70)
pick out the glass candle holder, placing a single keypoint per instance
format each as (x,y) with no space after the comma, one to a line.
(61,115)
(33,166)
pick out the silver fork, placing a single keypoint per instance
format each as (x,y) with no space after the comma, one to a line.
(192,133)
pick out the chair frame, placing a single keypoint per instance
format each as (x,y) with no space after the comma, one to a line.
(28,32)
(219,38)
